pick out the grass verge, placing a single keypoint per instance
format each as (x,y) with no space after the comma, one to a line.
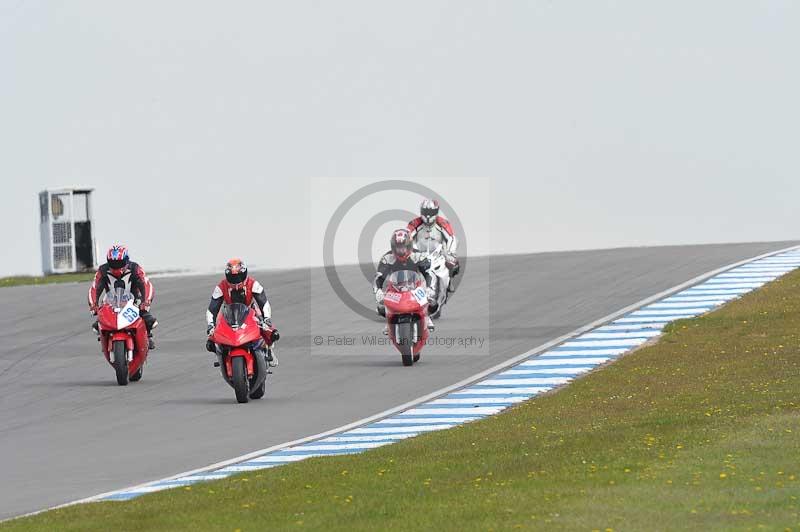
(700,431)
(20,280)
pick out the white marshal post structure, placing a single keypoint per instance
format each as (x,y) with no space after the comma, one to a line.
(66,230)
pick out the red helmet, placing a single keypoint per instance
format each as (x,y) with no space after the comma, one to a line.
(402,245)
(236,273)
(117,259)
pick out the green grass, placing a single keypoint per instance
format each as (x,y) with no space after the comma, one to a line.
(700,431)
(20,280)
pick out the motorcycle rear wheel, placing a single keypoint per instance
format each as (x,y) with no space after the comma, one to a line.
(121,362)
(240,384)
(258,393)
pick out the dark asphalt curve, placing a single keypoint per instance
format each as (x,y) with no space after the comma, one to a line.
(67,431)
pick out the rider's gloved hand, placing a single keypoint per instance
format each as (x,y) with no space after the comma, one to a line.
(431,294)
(379,295)
(93,310)
(210,329)
(265,323)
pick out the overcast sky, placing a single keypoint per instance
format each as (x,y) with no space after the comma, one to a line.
(589,124)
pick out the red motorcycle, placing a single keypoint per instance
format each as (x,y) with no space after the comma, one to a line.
(241,351)
(405,297)
(123,335)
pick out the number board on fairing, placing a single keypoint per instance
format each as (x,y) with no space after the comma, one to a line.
(130,314)
(420,295)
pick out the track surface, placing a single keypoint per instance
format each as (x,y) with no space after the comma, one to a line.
(67,431)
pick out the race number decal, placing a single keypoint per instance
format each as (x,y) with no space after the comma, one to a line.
(394,297)
(420,295)
(130,314)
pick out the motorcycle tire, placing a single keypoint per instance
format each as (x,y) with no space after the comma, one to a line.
(240,383)
(258,393)
(121,362)
(405,336)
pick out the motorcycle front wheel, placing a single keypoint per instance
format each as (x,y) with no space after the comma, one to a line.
(121,362)
(405,342)
(240,384)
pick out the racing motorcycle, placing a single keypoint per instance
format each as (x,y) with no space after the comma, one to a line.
(432,250)
(406,302)
(241,351)
(123,335)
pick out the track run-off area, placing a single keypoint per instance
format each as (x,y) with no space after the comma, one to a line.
(68,432)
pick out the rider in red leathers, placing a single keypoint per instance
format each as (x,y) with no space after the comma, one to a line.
(120,269)
(237,287)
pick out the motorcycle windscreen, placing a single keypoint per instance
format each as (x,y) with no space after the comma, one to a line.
(118,298)
(235,314)
(404,281)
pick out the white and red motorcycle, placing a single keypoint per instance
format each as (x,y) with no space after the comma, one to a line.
(432,250)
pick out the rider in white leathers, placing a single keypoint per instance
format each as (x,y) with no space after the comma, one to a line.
(430,226)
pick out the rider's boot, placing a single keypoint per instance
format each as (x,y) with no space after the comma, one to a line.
(386,330)
(150,343)
(272,358)
(451,288)
(429,323)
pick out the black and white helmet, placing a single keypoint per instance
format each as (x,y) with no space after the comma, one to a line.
(428,211)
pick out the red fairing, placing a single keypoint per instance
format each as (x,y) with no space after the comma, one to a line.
(225,335)
(235,339)
(239,352)
(134,336)
(405,303)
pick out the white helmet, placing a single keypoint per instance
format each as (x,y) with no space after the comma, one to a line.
(428,211)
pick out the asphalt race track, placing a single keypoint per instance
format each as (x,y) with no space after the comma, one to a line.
(67,431)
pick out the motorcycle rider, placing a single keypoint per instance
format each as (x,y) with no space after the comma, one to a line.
(402,257)
(119,267)
(237,287)
(430,225)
